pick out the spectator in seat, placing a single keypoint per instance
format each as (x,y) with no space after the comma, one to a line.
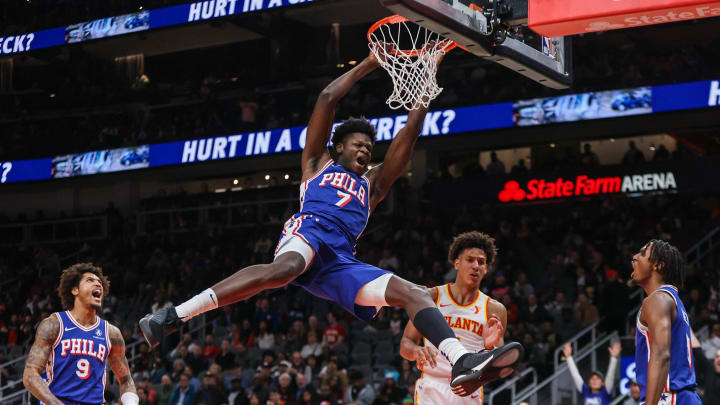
(210,350)
(707,372)
(359,392)
(312,347)
(712,345)
(334,333)
(633,156)
(184,393)
(585,312)
(166,390)
(496,167)
(226,358)
(533,313)
(634,397)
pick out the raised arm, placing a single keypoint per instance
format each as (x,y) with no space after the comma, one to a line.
(47,333)
(315,154)
(657,312)
(615,349)
(119,366)
(574,372)
(397,157)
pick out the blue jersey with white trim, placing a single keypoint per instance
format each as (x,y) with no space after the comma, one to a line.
(76,368)
(682,373)
(338,195)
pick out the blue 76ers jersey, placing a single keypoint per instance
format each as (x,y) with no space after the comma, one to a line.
(681,374)
(76,368)
(340,196)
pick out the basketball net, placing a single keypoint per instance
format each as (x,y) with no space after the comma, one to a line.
(410,54)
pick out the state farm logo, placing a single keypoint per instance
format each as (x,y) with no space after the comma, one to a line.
(602,26)
(582,185)
(649,17)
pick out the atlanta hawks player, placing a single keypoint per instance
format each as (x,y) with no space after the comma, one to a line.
(477,320)
(72,347)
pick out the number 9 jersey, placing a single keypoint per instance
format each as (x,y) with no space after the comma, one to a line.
(76,367)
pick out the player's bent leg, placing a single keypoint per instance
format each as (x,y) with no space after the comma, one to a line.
(245,283)
(470,370)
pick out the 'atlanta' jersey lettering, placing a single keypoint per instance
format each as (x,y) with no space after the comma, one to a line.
(76,367)
(338,195)
(682,373)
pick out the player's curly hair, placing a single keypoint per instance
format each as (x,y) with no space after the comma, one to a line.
(352,125)
(473,239)
(71,278)
(669,260)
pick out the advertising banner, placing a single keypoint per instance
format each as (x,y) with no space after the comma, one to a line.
(101,161)
(107,27)
(583,106)
(554,18)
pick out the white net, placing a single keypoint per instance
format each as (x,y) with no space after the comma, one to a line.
(409,53)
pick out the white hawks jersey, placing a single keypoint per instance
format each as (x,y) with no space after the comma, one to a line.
(467,321)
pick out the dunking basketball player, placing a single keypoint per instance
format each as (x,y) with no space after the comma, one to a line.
(663,353)
(474,317)
(316,248)
(72,347)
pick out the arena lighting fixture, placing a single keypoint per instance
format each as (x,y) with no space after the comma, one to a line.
(267,177)
(552,145)
(340,65)
(352,63)
(652,147)
(236,181)
(612,139)
(52,95)
(287,176)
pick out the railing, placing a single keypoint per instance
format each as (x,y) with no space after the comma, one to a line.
(511,384)
(591,329)
(54,231)
(226,215)
(703,248)
(619,399)
(533,393)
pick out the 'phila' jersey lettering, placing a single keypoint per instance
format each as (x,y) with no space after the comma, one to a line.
(682,373)
(76,368)
(338,195)
(467,321)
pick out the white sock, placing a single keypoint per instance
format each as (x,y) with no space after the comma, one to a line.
(203,302)
(452,349)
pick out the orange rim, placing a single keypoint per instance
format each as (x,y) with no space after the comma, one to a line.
(396,19)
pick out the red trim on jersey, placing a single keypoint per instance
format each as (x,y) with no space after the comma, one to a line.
(452,299)
(62,329)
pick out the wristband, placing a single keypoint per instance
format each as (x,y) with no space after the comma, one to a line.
(130,398)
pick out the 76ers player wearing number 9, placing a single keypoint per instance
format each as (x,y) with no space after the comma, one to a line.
(663,353)
(316,248)
(73,346)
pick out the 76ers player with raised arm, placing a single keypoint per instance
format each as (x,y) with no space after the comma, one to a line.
(316,248)
(663,353)
(474,317)
(72,347)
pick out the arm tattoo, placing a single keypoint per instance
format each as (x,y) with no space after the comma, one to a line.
(37,359)
(118,362)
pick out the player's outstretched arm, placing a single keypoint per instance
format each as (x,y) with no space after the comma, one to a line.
(47,333)
(397,157)
(657,310)
(315,153)
(119,366)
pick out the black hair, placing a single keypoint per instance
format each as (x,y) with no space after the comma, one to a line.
(351,126)
(669,260)
(474,239)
